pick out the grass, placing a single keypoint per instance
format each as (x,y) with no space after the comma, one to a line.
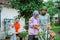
(57,38)
(56,28)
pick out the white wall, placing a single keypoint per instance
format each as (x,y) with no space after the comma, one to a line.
(7,13)
(10,14)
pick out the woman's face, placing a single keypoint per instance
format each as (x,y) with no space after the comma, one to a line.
(36,15)
(17,20)
(43,12)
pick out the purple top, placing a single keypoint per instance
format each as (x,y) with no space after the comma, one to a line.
(32,22)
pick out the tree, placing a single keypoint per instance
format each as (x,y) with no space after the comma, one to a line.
(26,7)
(51,9)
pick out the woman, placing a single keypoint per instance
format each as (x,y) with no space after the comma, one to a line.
(44,20)
(11,32)
(33,26)
(17,25)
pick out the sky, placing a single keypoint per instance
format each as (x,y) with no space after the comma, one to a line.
(45,0)
(51,0)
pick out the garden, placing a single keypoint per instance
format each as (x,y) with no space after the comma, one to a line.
(26,7)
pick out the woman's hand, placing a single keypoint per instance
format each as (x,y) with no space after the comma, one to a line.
(36,26)
(15,33)
(48,26)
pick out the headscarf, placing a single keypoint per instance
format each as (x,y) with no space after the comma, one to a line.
(35,13)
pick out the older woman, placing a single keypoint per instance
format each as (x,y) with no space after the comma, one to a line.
(44,20)
(33,26)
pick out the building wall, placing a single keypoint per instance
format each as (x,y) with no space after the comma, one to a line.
(7,13)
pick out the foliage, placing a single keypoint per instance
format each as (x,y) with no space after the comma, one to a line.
(23,34)
(7,36)
(49,4)
(26,7)
(55,27)
(57,38)
(51,8)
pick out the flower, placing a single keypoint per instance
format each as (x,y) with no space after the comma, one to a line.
(48,26)
(52,34)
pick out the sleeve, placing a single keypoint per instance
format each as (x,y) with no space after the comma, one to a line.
(48,20)
(31,24)
(39,20)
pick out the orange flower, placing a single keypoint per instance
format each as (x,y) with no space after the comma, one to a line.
(48,26)
(52,34)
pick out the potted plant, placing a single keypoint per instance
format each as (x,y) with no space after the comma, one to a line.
(7,37)
(23,34)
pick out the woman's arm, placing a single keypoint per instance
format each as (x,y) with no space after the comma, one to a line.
(31,24)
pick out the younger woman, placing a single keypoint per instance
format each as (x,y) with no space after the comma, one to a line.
(12,33)
(33,26)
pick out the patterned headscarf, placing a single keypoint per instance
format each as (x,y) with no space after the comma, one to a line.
(35,13)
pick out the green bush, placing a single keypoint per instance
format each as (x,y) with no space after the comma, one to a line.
(7,36)
(23,34)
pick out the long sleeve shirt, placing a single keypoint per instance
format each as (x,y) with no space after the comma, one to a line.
(44,20)
(32,22)
(11,31)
